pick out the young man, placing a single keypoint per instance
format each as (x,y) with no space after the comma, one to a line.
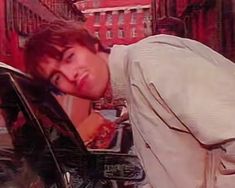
(180,97)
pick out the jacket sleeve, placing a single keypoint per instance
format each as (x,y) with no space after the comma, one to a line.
(200,93)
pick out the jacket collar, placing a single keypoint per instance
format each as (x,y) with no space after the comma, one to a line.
(118,76)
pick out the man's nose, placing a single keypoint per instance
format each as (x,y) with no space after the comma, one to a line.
(70,74)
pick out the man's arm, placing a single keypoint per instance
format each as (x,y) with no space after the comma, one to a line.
(200,93)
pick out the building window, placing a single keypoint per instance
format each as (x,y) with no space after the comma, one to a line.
(97,34)
(109,18)
(121,17)
(147,22)
(97,18)
(133,32)
(96,3)
(133,17)
(147,16)
(109,34)
(121,33)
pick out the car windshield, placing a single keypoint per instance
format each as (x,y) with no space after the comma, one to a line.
(35,135)
(49,113)
(17,150)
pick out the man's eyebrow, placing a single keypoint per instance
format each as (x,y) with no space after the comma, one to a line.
(61,57)
(52,73)
(64,50)
(59,53)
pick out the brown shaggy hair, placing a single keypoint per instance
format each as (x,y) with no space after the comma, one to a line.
(53,36)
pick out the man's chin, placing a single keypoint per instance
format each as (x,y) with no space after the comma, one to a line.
(90,97)
(97,97)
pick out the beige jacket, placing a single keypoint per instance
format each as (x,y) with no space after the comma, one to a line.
(181,97)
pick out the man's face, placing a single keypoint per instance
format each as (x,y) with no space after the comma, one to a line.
(80,72)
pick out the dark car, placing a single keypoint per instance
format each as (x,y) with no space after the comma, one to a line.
(39,146)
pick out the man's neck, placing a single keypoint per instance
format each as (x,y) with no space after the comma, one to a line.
(108,91)
(104,56)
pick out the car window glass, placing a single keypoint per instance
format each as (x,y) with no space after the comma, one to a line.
(25,160)
(66,143)
(51,116)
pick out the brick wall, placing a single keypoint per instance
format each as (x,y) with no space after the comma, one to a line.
(111,33)
(208,21)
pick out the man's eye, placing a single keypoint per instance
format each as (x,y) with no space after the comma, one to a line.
(55,79)
(69,57)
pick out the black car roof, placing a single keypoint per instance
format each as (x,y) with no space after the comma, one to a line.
(6,67)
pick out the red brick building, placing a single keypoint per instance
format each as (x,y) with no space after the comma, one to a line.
(211,22)
(19,18)
(117,22)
